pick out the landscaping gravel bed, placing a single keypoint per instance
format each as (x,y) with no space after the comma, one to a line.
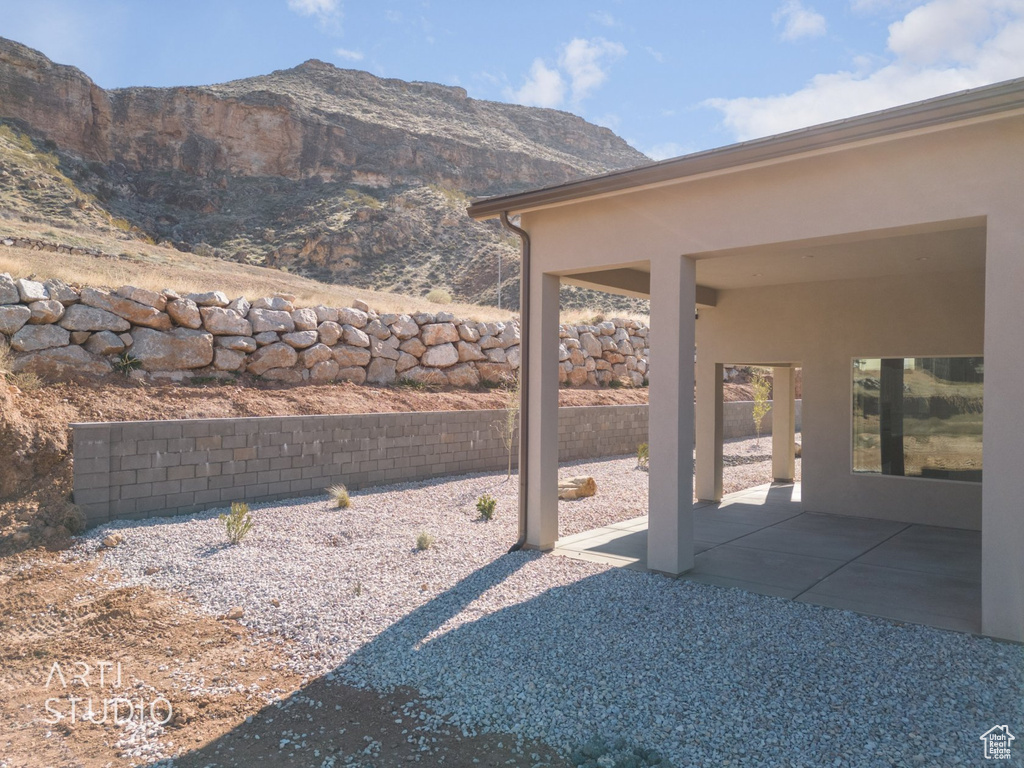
(566,651)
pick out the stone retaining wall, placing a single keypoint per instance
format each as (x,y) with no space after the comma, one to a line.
(141,469)
(59,331)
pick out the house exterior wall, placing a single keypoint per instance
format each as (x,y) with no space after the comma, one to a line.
(823,326)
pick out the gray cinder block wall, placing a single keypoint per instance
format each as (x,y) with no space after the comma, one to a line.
(139,469)
(738,419)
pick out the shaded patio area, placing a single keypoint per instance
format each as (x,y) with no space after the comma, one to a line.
(762,541)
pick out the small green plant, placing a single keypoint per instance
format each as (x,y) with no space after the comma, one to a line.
(762,390)
(339,493)
(26,381)
(357,590)
(508,426)
(439,296)
(125,364)
(238,523)
(411,383)
(616,384)
(424,542)
(643,456)
(73,519)
(485,506)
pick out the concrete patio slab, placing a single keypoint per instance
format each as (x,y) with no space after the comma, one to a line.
(762,541)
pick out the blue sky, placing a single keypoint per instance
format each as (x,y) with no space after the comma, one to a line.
(669,77)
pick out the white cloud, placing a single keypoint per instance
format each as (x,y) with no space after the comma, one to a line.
(326,12)
(940,47)
(658,56)
(665,150)
(798,21)
(345,53)
(587,63)
(543,88)
(604,18)
(582,67)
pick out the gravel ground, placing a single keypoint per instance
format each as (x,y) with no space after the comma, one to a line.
(564,650)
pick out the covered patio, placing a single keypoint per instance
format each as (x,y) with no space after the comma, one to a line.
(761,540)
(883,255)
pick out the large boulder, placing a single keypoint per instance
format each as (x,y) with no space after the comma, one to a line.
(329,332)
(79,317)
(377,329)
(132,311)
(355,337)
(13,317)
(300,339)
(351,316)
(210,299)
(440,356)
(590,344)
(105,343)
(180,349)
(237,343)
(59,291)
(61,363)
(8,290)
(304,319)
(32,338)
(185,313)
(277,355)
(46,312)
(470,352)
(225,322)
(387,348)
(355,374)
(142,296)
(264,320)
(228,359)
(381,371)
(433,334)
(30,290)
(323,372)
(465,375)
(405,362)
(275,303)
(405,327)
(413,346)
(348,356)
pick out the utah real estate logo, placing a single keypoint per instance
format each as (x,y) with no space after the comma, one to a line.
(997,742)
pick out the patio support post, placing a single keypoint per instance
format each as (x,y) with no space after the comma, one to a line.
(542,457)
(670,494)
(1002,509)
(783,424)
(709,416)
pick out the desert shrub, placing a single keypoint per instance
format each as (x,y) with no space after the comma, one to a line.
(439,296)
(5,359)
(762,388)
(339,494)
(238,522)
(125,364)
(424,542)
(485,506)
(616,384)
(26,381)
(73,519)
(643,456)
(509,423)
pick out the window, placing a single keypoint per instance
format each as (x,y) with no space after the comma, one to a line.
(918,416)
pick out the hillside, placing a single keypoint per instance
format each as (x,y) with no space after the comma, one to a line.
(328,173)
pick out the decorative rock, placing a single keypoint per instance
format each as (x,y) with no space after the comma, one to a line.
(181,349)
(606,328)
(514,355)
(347,356)
(433,334)
(300,339)
(590,344)
(276,303)
(105,343)
(413,346)
(265,338)
(277,320)
(30,290)
(46,312)
(354,317)
(430,376)
(318,353)
(211,299)
(443,317)
(325,314)
(80,337)
(405,362)
(59,291)
(497,355)
(272,356)
(234,614)
(141,296)
(468,333)
(241,306)
(464,375)
(377,329)
(225,322)
(405,327)
(8,290)
(576,357)
(509,336)
(304,319)
(112,540)
(354,374)
(329,332)
(361,305)
(423,318)
(440,356)
(132,311)
(578,377)
(185,312)
(388,348)
(32,338)
(61,363)
(284,375)
(13,317)
(228,359)
(572,488)
(489,342)
(237,343)
(469,352)
(381,371)
(324,372)
(79,317)
(355,337)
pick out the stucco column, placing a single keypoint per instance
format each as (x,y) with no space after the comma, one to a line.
(709,416)
(783,424)
(670,497)
(1002,510)
(542,456)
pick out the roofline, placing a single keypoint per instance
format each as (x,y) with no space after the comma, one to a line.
(956,107)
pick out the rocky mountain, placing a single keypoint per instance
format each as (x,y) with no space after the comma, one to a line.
(335,174)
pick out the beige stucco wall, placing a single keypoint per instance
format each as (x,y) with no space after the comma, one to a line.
(823,326)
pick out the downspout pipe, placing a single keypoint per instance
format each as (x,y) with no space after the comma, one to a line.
(524,372)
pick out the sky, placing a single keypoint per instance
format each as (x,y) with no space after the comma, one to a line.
(669,77)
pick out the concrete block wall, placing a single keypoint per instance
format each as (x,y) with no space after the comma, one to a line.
(130,470)
(738,419)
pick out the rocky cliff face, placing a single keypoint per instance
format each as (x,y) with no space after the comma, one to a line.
(333,173)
